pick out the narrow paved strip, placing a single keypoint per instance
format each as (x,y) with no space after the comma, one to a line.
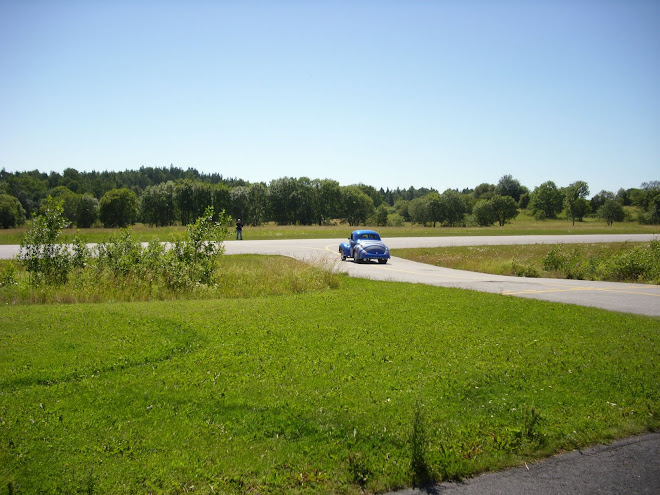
(627,466)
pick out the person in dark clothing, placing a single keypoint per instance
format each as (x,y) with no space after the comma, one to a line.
(239,229)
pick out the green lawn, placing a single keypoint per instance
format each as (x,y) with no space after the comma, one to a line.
(369,386)
(522,225)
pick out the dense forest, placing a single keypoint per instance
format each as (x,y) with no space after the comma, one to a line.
(172,195)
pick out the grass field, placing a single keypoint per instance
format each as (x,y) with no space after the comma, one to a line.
(366,387)
(522,225)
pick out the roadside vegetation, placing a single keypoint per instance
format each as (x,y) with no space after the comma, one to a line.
(616,262)
(191,266)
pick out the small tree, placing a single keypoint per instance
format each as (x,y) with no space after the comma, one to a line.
(599,199)
(69,201)
(11,211)
(382,213)
(202,246)
(483,213)
(419,211)
(87,212)
(118,208)
(356,206)
(508,186)
(546,201)
(504,209)
(574,200)
(40,253)
(611,212)
(453,207)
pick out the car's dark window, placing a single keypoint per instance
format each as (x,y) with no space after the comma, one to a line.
(375,237)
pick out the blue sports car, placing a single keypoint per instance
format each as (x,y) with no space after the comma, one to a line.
(364,245)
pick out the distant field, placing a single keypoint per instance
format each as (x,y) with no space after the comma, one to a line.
(522,225)
(367,387)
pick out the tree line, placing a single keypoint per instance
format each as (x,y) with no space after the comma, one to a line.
(170,196)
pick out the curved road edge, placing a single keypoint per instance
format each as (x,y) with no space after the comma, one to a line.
(627,466)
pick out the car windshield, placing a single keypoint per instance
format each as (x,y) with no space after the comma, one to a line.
(370,236)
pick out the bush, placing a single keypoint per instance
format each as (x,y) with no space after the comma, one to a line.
(636,265)
(45,259)
(640,264)
(395,220)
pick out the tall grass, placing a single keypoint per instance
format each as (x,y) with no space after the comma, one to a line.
(238,276)
(619,262)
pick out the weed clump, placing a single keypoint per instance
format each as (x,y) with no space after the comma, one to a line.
(639,264)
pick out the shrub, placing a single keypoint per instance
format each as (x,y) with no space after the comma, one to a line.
(639,264)
(554,260)
(45,259)
(395,220)
(120,255)
(8,273)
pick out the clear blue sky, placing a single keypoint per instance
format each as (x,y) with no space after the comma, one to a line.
(388,93)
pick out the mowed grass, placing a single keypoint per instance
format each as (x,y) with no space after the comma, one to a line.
(524,224)
(368,387)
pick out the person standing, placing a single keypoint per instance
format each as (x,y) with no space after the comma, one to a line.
(239,229)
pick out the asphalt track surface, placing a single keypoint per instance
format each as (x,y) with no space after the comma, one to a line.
(628,298)
(629,466)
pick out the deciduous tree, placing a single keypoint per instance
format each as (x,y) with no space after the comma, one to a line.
(504,209)
(356,205)
(11,211)
(546,200)
(574,200)
(118,208)
(611,211)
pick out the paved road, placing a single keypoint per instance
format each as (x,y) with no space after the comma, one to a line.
(630,467)
(629,298)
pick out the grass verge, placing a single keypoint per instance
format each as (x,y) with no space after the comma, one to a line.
(238,276)
(365,388)
(616,261)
